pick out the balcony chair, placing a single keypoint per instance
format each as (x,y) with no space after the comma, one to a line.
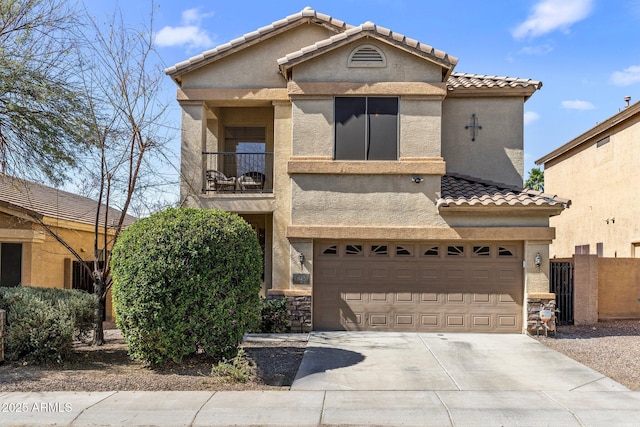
(218,181)
(252,181)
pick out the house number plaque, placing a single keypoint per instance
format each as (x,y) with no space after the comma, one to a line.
(301,279)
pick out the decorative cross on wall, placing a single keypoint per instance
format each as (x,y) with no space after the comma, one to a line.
(474,126)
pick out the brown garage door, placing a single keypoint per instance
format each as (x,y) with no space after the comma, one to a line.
(400,286)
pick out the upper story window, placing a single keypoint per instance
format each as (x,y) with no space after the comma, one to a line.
(366,128)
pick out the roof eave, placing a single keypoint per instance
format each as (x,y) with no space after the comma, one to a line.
(550,210)
(469,92)
(592,133)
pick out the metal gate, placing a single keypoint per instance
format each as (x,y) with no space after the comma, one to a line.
(561,283)
(83,279)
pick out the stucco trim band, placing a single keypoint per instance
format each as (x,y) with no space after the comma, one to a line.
(21,236)
(435,90)
(423,166)
(420,233)
(541,295)
(289,292)
(251,94)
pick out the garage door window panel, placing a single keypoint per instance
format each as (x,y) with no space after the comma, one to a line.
(431,251)
(379,250)
(506,251)
(455,251)
(403,251)
(481,251)
(354,250)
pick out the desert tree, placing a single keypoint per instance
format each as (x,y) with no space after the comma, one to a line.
(123,79)
(82,97)
(43,107)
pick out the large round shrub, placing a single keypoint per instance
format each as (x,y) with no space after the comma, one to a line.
(186,281)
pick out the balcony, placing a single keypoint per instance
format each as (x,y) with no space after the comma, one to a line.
(229,172)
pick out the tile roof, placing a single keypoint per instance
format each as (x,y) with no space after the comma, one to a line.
(467,81)
(465,191)
(456,82)
(51,202)
(305,15)
(371,29)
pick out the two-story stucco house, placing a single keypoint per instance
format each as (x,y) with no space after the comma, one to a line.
(385,188)
(595,168)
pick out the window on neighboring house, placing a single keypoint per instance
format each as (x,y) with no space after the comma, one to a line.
(10,264)
(582,250)
(366,128)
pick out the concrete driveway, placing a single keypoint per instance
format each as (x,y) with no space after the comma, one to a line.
(440,362)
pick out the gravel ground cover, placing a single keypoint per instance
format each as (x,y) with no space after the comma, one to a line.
(611,348)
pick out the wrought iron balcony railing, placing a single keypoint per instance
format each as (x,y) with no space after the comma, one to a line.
(237,172)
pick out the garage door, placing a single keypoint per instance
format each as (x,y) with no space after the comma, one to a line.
(398,286)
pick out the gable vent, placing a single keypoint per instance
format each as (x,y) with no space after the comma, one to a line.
(367,56)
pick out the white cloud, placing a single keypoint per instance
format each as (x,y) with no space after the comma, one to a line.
(539,50)
(626,77)
(530,117)
(551,15)
(189,33)
(578,105)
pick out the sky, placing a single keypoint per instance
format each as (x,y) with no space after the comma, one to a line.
(586,53)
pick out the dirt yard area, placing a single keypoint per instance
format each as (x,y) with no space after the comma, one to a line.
(274,364)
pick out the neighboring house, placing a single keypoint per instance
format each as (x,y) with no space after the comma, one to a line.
(599,171)
(32,257)
(385,188)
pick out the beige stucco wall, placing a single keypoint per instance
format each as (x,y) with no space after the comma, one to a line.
(487,218)
(282,251)
(313,128)
(400,66)
(193,139)
(618,288)
(258,63)
(367,200)
(45,262)
(600,181)
(536,277)
(497,153)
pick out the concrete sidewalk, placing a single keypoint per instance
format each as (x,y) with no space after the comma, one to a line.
(317,408)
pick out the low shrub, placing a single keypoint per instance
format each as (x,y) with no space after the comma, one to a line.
(274,317)
(186,281)
(235,370)
(43,322)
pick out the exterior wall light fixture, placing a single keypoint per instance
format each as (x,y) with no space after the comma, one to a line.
(538,260)
(301,258)
(417,179)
